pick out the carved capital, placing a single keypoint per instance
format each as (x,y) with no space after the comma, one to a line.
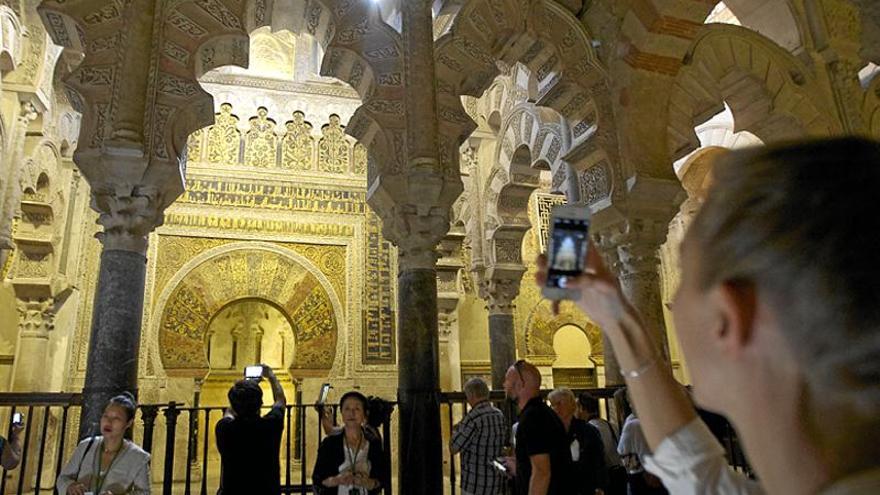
(128,214)
(415,209)
(36,317)
(499,287)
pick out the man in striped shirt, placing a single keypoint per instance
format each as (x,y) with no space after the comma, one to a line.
(480,437)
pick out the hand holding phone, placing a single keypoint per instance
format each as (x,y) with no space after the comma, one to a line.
(322,395)
(568,243)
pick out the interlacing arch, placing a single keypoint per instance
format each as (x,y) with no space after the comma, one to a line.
(10,40)
(530,141)
(770,92)
(541,35)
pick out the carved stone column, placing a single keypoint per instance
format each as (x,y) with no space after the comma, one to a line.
(630,234)
(448,269)
(36,319)
(499,288)
(128,214)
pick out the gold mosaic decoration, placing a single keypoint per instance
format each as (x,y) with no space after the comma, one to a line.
(379,317)
(298,144)
(282,281)
(333,149)
(260,146)
(224,139)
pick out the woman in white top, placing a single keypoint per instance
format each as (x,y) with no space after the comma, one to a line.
(778,317)
(108,464)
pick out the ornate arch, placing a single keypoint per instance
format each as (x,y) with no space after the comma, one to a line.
(10,40)
(288,281)
(542,325)
(770,93)
(543,36)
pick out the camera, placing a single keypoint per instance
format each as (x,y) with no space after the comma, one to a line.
(17,419)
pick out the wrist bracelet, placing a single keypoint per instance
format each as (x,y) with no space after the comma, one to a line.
(636,373)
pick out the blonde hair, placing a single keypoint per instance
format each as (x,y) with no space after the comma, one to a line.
(799,222)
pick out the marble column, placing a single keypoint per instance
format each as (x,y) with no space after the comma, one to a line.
(128,215)
(418,383)
(36,321)
(499,288)
(502,341)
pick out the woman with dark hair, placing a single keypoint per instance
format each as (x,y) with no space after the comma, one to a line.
(778,318)
(108,464)
(351,461)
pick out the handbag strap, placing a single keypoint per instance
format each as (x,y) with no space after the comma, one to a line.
(83,458)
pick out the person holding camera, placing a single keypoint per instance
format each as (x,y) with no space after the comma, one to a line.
(108,464)
(249,445)
(351,461)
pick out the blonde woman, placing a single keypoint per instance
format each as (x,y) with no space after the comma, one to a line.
(778,317)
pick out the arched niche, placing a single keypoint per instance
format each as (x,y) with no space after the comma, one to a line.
(250,331)
(248,271)
(542,326)
(573,367)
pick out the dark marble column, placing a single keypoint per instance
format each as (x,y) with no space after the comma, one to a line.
(115,335)
(502,342)
(420,455)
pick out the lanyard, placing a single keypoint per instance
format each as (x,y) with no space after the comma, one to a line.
(99,478)
(354,453)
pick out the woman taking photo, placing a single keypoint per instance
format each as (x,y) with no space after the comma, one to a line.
(778,317)
(108,464)
(351,461)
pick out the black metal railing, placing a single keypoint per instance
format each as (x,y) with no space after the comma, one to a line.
(185,458)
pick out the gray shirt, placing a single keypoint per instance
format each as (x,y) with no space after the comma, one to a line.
(129,474)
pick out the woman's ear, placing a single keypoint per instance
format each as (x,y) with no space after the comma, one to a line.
(737,307)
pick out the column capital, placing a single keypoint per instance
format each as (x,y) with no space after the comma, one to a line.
(128,213)
(499,287)
(36,317)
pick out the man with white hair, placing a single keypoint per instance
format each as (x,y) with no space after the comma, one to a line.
(479,437)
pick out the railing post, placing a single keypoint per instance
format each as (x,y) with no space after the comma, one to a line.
(148,416)
(171,414)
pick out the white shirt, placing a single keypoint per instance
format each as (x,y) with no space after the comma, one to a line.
(612,458)
(633,447)
(691,461)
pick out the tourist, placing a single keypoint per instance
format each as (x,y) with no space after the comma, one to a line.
(10,450)
(588,410)
(351,461)
(249,445)
(587,453)
(542,462)
(778,319)
(108,464)
(480,437)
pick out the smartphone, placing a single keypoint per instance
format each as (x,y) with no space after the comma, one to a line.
(569,238)
(501,468)
(322,396)
(17,419)
(255,371)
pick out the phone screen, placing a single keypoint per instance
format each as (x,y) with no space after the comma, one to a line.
(16,418)
(325,390)
(500,467)
(568,248)
(253,372)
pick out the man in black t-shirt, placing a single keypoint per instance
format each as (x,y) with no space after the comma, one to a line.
(542,463)
(249,444)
